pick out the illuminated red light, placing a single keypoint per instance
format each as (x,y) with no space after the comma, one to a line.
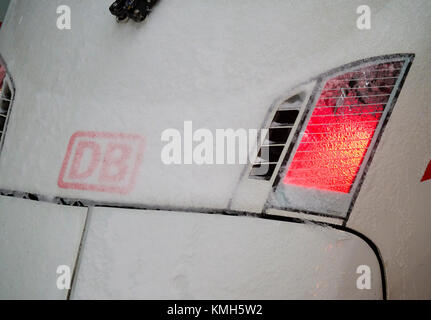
(341,127)
(427,174)
(2,76)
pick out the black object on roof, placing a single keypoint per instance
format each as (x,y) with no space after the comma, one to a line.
(137,10)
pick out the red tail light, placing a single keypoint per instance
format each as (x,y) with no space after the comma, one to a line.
(6,97)
(334,141)
(2,75)
(341,127)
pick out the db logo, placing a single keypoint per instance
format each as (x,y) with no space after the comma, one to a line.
(100,161)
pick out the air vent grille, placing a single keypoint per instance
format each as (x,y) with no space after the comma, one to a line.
(279,131)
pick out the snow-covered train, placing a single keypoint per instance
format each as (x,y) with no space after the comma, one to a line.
(334,201)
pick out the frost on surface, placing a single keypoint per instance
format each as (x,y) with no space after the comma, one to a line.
(172,255)
(334,142)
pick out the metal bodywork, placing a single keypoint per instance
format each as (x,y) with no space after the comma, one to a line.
(221,65)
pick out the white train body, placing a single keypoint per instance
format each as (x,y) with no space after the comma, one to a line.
(207,231)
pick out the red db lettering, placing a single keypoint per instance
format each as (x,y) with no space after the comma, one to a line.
(101,161)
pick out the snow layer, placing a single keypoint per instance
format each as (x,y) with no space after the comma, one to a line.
(36,238)
(170,255)
(221,64)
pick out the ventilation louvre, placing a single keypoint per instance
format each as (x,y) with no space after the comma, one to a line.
(278,133)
